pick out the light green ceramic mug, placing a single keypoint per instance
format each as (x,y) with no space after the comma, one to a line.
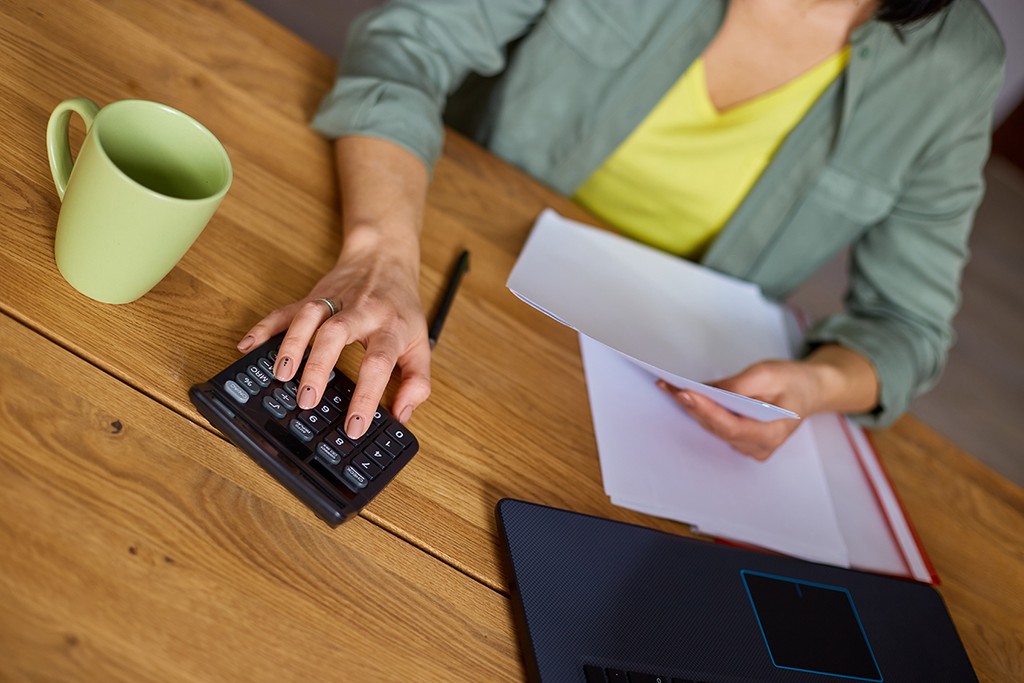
(144,185)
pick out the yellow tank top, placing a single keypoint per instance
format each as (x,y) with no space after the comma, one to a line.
(679,176)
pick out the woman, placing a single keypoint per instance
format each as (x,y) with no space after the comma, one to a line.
(821,124)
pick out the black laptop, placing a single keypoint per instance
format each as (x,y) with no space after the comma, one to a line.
(603,601)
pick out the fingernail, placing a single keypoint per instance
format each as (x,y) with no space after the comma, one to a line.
(281,369)
(246,343)
(307,397)
(355,427)
(406,413)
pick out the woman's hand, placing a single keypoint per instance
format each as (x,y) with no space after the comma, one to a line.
(374,285)
(832,378)
(787,384)
(379,308)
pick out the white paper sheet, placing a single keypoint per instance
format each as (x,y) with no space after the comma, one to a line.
(898,522)
(865,528)
(686,323)
(656,459)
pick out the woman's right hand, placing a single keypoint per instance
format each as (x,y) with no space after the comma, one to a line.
(374,285)
(379,307)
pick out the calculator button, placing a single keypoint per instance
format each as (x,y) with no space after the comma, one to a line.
(378,419)
(245,381)
(337,400)
(399,434)
(274,407)
(355,478)
(363,463)
(340,442)
(266,365)
(285,398)
(328,411)
(389,445)
(327,455)
(300,430)
(378,457)
(236,392)
(262,378)
(344,391)
(292,387)
(314,420)
(272,355)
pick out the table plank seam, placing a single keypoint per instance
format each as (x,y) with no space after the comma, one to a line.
(434,552)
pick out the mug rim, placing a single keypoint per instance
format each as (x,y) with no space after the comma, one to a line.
(226,160)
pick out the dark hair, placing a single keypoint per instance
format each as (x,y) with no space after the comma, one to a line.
(904,12)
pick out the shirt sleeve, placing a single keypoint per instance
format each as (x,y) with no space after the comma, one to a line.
(905,272)
(404,59)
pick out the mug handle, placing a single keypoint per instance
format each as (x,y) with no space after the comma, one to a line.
(57,138)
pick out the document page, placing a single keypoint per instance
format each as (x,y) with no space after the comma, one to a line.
(869,537)
(686,323)
(657,460)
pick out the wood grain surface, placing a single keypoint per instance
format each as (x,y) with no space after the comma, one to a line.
(971,522)
(136,547)
(508,415)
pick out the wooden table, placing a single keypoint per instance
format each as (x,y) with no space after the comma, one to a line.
(139,545)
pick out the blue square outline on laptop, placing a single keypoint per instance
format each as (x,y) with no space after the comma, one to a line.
(744,573)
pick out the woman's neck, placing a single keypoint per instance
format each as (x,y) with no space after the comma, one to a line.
(763,44)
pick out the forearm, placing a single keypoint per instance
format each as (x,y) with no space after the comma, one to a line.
(844,381)
(383,190)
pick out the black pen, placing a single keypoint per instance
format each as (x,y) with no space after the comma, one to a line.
(461,267)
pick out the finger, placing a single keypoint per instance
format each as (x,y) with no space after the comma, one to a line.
(743,434)
(669,389)
(267,328)
(723,423)
(759,453)
(378,363)
(750,437)
(415,386)
(684,398)
(308,317)
(331,339)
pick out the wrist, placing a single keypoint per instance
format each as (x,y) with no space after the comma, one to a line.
(843,380)
(399,248)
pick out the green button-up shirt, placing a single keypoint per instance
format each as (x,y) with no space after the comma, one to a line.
(887,161)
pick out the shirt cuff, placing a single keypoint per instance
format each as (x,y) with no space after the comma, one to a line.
(386,110)
(894,357)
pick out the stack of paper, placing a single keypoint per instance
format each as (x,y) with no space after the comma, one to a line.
(643,314)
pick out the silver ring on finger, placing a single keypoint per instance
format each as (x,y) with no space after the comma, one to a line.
(334,308)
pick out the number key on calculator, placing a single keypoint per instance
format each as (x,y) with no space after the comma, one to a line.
(307,451)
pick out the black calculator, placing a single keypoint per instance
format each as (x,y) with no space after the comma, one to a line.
(307,451)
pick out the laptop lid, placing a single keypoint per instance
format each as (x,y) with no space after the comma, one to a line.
(599,600)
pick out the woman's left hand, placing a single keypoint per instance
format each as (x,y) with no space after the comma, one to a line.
(831,378)
(787,384)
